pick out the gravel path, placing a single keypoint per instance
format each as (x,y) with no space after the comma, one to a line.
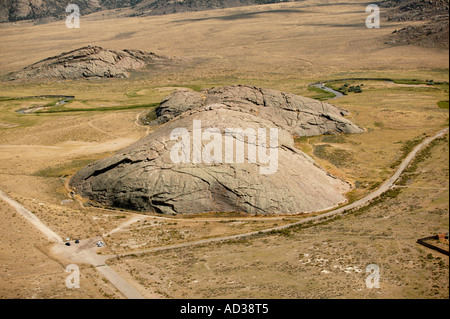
(86,253)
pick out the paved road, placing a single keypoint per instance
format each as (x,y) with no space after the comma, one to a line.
(83,253)
(362,202)
(86,252)
(36,222)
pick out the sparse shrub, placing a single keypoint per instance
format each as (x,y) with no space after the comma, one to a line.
(357,89)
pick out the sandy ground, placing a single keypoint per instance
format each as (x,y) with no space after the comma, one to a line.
(276,37)
(29,271)
(86,253)
(325,261)
(284,50)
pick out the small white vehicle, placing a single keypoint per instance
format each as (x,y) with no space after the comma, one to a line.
(101,244)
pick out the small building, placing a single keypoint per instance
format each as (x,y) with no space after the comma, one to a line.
(442,237)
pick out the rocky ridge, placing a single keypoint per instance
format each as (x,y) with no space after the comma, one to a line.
(299,115)
(89,62)
(47,10)
(434,15)
(144,177)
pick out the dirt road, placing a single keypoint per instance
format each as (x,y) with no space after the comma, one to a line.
(86,252)
(362,202)
(36,222)
(83,253)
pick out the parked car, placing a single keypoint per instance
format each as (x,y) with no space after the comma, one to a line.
(101,244)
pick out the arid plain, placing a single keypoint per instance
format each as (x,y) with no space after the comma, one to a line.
(284,46)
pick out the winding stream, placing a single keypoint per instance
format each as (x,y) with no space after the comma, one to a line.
(337,94)
(63,99)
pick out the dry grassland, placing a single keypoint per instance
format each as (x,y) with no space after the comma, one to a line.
(325,261)
(283,46)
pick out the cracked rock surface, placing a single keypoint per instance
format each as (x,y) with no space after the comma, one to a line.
(89,62)
(300,115)
(144,177)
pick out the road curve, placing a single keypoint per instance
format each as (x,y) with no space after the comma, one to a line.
(359,203)
(89,255)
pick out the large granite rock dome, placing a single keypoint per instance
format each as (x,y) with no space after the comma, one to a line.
(144,176)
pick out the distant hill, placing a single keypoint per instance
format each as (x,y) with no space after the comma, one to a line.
(416,10)
(158,7)
(434,32)
(90,62)
(15,10)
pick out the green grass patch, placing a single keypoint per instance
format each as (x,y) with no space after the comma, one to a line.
(321,95)
(379,124)
(62,109)
(132,94)
(69,168)
(420,157)
(443,105)
(413,81)
(5,98)
(337,157)
(194,87)
(406,149)
(338,139)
